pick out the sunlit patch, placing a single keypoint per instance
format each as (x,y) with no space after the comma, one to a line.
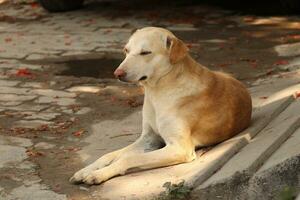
(288,49)
(290,91)
(268,21)
(280,22)
(88,89)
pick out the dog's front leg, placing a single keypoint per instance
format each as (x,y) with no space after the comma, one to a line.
(147,141)
(172,153)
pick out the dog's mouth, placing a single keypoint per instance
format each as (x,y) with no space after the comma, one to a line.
(143,78)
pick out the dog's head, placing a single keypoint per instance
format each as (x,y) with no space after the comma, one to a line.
(150,54)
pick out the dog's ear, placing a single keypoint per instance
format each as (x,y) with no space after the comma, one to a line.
(177,49)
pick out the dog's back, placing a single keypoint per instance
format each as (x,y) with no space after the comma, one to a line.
(218,112)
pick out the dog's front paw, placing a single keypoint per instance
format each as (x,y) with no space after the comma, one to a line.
(95,177)
(79,176)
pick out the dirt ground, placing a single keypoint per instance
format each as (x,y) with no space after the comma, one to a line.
(244,45)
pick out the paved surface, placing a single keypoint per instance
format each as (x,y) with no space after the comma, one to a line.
(60,107)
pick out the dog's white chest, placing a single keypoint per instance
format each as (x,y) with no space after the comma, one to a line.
(156,110)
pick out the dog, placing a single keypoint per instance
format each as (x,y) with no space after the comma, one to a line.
(186,106)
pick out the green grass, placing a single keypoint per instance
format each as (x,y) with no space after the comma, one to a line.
(288,193)
(174,192)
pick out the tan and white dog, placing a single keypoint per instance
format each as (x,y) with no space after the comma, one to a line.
(186,106)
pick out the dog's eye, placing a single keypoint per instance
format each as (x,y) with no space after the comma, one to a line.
(126,50)
(145,53)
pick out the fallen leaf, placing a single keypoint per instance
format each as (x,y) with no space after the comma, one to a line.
(296,95)
(74,107)
(263,97)
(224,65)
(7,40)
(73,149)
(133,102)
(34,153)
(34,5)
(107,31)
(249,19)
(23,72)
(270,72)
(57,188)
(78,133)
(294,37)
(281,62)
(68,43)
(253,64)
(189,45)
(43,127)
(113,99)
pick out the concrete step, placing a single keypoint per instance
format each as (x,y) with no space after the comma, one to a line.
(245,153)
(246,162)
(280,170)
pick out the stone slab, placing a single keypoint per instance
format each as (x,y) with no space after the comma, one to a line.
(34,192)
(15,141)
(279,172)
(26,107)
(59,101)
(42,116)
(292,49)
(260,148)
(290,148)
(31,123)
(53,93)
(8,83)
(14,90)
(11,155)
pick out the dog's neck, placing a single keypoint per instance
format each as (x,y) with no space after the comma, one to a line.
(186,66)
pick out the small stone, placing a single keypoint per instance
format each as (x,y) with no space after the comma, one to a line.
(44,145)
(83,188)
(83,111)
(89,89)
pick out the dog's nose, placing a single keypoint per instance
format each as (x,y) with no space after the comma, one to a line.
(119,73)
